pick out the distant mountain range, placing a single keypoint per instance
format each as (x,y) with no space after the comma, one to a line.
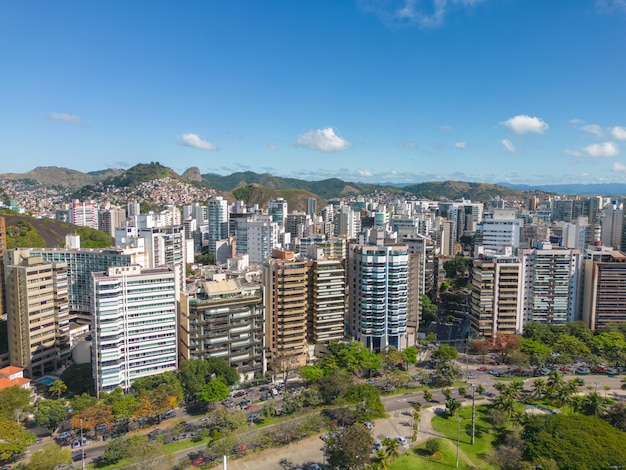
(598,189)
(254,187)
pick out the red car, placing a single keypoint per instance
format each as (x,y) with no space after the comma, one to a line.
(482,368)
(197,462)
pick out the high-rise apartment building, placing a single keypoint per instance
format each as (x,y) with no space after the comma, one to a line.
(83,214)
(110,219)
(551,284)
(496,305)
(612,223)
(134,325)
(326,309)
(604,288)
(37,312)
(285,280)
(3,246)
(378,281)
(223,318)
(217,220)
(277,208)
(495,234)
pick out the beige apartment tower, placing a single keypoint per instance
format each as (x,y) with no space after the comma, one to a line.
(37,312)
(285,282)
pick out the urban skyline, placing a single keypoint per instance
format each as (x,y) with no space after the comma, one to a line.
(366,91)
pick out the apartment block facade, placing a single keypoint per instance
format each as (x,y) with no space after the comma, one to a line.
(37,312)
(134,325)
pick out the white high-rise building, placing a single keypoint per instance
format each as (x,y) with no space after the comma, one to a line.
(217,220)
(378,281)
(83,214)
(552,284)
(134,325)
(277,208)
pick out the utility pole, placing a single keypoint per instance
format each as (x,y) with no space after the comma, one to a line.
(82,447)
(473,411)
(458,432)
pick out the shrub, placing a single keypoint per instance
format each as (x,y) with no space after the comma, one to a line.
(432,445)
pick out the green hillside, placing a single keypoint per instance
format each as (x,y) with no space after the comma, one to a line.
(451,190)
(257,194)
(326,189)
(56,176)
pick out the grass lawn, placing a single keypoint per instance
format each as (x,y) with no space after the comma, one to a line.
(484,435)
(418,458)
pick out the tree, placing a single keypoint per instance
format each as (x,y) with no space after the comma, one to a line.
(592,404)
(214,391)
(392,448)
(82,402)
(446,372)
(571,346)
(445,353)
(49,457)
(480,389)
(433,445)
(392,357)
(616,415)
(115,451)
(91,417)
(367,399)
(410,355)
(398,378)
(447,393)
(574,441)
(428,395)
(504,344)
(122,405)
(355,357)
(311,373)
(13,438)
(13,400)
(462,391)
(349,449)
(145,454)
(452,406)
(57,388)
(518,359)
(480,346)
(50,413)
(428,310)
(539,388)
(536,351)
(333,386)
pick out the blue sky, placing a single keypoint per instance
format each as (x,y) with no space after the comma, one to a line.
(523,91)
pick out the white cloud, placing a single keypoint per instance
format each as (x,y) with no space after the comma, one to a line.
(460,145)
(409,144)
(195,141)
(365,173)
(573,153)
(576,121)
(619,167)
(271,148)
(523,124)
(324,140)
(508,145)
(407,13)
(606,149)
(446,128)
(593,129)
(65,118)
(619,133)
(609,6)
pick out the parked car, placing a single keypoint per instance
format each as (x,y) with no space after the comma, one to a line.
(482,368)
(63,435)
(314,466)
(583,371)
(169,414)
(368,425)
(401,440)
(377,446)
(612,372)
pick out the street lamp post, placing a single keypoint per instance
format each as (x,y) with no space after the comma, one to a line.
(473,411)
(458,432)
(82,447)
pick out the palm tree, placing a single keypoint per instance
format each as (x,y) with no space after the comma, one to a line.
(506,404)
(57,388)
(382,459)
(393,448)
(539,388)
(555,379)
(593,404)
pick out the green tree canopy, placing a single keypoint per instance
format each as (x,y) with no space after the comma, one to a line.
(214,391)
(50,413)
(93,238)
(354,357)
(13,400)
(445,353)
(367,399)
(13,438)
(349,449)
(574,441)
(49,458)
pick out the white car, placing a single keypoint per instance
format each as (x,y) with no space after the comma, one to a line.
(368,425)
(64,435)
(401,440)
